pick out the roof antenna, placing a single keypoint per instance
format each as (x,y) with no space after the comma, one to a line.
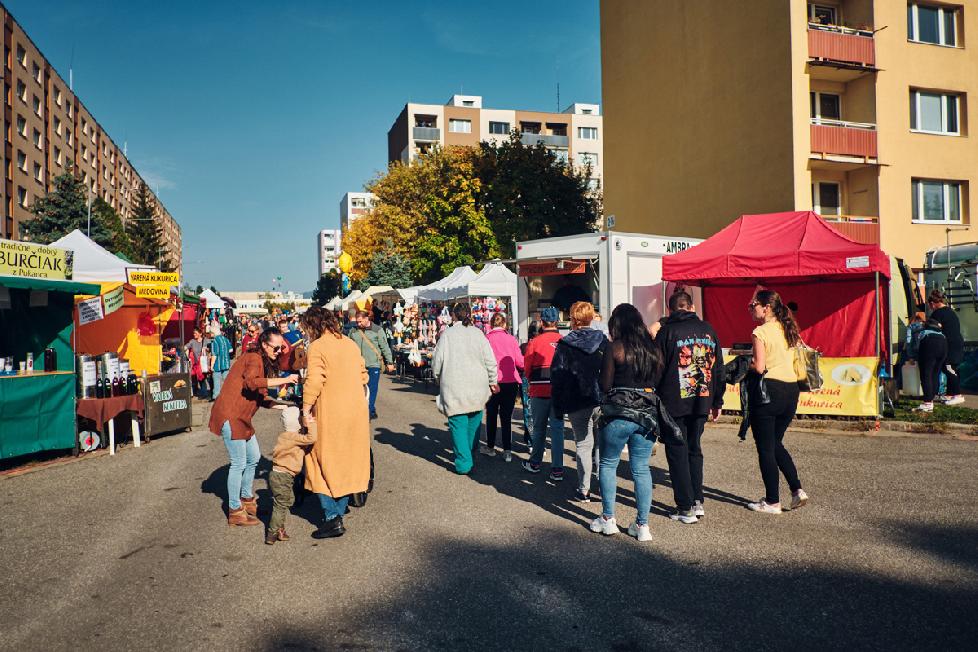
(558,97)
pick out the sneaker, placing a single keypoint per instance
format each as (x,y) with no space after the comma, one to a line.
(941,398)
(799,499)
(508,456)
(640,532)
(765,508)
(686,516)
(698,510)
(488,452)
(924,407)
(954,400)
(581,497)
(557,475)
(606,526)
(531,467)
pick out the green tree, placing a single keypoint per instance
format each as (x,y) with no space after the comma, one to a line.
(526,192)
(388,267)
(105,215)
(327,287)
(61,211)
(198,290)
(146,232)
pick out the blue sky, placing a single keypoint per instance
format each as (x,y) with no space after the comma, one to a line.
(254,118)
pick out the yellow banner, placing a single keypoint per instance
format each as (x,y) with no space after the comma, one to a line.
(850,389)
(29,260)
(153,291)
(142,277)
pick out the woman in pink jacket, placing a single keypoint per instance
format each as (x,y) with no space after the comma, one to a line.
(509,360)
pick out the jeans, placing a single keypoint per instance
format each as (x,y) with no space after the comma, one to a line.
(686,462)
(333,507)
(769,423)
(582,425)
(614,437)
(527,412)
(219,378)
(543,418)
(282,486)
(244,455)
(465,434)
(501,406)
(373,382)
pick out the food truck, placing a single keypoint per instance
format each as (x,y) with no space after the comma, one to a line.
(605,267)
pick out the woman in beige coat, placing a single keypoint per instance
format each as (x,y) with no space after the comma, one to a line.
(333,397)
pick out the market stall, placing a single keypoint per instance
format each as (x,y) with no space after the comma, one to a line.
(836,287)
(93,262)
(492,291)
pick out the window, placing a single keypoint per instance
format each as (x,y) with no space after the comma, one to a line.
(84,153)
(37,139)
(593,184)
(586,111)
(460,126)
(85,126)
(822,15)
(587,133)
(932,24)
(71,110)
(38,172)
(557,129)
(22,196)
(68,136)
(935,113)
(826,198)
(587,158)
(37,105)
(468,103)
(57,96)
(499,127)
(358,202)
(57,155)
(561,155)
(22,91)
(22,126)
(22,56)
(936,201)
(37,73)
(57,125)
(530,127)
(825,106)
(22,160)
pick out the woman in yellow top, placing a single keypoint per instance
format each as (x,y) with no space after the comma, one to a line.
(774,341)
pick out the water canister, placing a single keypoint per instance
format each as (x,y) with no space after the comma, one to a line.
(87,376)
(110,365)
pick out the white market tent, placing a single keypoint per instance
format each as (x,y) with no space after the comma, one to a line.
(410,295)
(350,299)
(495,280)
(449,286)
(333,303)
(92,262)
(213,301)
(374,290)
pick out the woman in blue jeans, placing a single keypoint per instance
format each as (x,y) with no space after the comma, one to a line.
(631,361)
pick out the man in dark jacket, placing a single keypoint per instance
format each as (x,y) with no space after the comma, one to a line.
(951,327)
(691,388)
(574,375)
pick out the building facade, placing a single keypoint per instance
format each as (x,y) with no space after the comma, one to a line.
(575,135)
(254,303)
(857,109)
(328,249)
(353,205)
(47,131)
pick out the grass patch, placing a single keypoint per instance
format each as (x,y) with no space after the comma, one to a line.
(942,414)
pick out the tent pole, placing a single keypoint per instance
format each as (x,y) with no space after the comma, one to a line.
(876,296)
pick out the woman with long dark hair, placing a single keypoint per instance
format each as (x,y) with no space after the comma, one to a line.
(245,390)
(632,362)
(771,411)
(333,398)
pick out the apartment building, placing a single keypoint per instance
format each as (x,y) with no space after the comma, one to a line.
(353,205)
(857,109)
(46,130)
(575,135)
(328,249)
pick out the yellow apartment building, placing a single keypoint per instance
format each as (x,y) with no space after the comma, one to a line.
(857,109)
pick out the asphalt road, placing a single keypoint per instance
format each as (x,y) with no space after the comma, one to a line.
(133,552)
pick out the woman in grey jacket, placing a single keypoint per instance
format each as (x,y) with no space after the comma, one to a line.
(465,367)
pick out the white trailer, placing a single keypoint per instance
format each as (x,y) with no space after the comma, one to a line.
(607,268)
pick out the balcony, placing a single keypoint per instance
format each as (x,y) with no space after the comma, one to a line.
(839,138)
(543,139)
(430,134)
(835,45)
(865,230)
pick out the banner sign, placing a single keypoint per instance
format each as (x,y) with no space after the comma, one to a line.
(167,403)
(552,269)
(90,310)
(143,277)
(153,292)
(113,300)
(29,260)
(850,389)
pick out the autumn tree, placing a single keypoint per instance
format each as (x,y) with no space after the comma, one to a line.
(363,237)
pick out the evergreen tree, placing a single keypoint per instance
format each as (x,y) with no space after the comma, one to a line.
(106,216)
(146,232)
(388,267)
(61,211)
(327,287)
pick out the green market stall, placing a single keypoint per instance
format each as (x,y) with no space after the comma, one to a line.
(37,410)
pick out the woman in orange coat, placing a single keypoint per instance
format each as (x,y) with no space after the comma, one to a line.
(333,397)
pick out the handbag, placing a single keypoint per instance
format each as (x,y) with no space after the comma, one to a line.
(643,407)
(806,367)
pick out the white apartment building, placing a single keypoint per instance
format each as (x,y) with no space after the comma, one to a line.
(328,249)
(353,205)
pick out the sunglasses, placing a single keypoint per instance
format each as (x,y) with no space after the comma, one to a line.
(275,349)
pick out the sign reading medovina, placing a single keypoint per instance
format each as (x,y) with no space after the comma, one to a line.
(29,260)
(141,277)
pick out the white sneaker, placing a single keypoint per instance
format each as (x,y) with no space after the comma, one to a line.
(508,456)
(924,407)
(640,532)
(799,499)
(687,517)
(488,452)
(605,526)
(765,508)
(954,400)
(698,510)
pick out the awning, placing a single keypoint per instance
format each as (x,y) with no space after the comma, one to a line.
(71,287)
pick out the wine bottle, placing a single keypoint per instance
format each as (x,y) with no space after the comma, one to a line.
(116,389)
(99,388)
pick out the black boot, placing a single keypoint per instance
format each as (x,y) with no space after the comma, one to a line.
(331,528)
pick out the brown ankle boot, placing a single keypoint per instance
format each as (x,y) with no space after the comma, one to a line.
(241,517)
(271,536)
(250,505)
(282,536)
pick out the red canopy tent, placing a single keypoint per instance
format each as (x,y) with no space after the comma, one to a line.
(834,281)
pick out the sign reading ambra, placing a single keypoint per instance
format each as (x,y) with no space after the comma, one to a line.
(29,260)
(139,277)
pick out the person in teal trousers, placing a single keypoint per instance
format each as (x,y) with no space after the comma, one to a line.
(465,367)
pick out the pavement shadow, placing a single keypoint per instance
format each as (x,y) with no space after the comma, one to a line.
(589,593)
(216,484)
